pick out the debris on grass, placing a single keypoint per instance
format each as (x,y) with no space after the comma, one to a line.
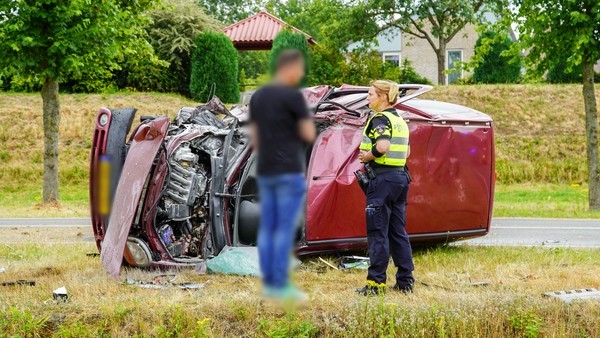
(328,264)
(241,261)
(142,284)
(200,268)
(353,262)
(436,286)
(568,296)
(235,261)
(18,282)
(475,284)
(313,266)
(60,294)
(2,270)
(164,281)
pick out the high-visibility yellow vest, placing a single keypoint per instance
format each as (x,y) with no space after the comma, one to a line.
(396,155)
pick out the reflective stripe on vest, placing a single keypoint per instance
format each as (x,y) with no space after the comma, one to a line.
(396,155)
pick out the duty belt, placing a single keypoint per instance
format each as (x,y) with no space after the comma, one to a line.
(381,170)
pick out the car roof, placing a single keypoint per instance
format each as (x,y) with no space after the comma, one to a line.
(445,111)
(354,97)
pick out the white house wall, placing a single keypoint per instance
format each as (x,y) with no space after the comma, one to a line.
(423,58)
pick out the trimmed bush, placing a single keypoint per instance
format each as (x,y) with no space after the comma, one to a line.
(287,39)
(495,67)
(214,64)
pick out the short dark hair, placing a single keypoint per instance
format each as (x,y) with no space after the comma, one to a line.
(288,57)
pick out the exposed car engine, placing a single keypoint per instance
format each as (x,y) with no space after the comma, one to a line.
(182,211)
(182,208)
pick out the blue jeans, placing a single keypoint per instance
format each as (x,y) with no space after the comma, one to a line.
(281,201)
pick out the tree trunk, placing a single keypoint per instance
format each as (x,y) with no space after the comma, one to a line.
(591,131)
(441,62)
(51,123)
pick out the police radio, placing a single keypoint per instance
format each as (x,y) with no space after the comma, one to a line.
(363,178)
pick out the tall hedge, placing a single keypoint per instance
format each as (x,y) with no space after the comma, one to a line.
(214,62)
(287,39)
(495,67)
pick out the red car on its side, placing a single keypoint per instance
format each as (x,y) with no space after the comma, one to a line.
(182,190)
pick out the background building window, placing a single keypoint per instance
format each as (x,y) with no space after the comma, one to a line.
(453,59)
(393,58)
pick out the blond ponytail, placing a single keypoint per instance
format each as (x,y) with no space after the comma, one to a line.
(388,88)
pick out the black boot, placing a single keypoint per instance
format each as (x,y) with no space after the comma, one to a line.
(403,288)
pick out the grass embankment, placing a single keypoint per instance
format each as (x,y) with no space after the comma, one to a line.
(21,154)
(230,306)
(539,138)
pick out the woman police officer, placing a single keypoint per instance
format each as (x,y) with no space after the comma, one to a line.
(385,148)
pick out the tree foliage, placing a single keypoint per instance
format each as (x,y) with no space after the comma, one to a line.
(324,20)
(435,21)
(327,66)
(172,32)
(214,68)
(231,11)
(288,39)
(359,67)
(560,72)
(254,63)
(409,75)
(495,65)
(55,39)
(557,30)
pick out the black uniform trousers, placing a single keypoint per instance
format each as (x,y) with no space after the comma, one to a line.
(386,227)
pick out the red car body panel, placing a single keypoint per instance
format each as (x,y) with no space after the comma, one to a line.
(335,202)
(144,147)
(451,164)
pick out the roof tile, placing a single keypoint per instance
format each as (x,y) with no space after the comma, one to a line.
(258,31)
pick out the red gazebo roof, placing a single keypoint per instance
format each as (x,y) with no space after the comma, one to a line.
(258,31)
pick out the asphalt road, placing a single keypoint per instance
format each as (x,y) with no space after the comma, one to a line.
(505,231)
(542,231)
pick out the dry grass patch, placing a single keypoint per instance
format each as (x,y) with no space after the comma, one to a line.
(511,306)
(21,131)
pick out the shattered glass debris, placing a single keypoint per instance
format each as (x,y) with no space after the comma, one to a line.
(235,261)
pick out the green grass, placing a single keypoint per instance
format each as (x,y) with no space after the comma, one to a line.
(25,201)
(542,200)
(231,306)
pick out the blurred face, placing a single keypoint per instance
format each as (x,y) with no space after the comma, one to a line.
(293,73)
(376,101)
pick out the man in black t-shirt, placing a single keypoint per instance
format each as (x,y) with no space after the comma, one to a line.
(281,126)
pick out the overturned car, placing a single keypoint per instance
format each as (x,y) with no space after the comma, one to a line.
(174,193)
